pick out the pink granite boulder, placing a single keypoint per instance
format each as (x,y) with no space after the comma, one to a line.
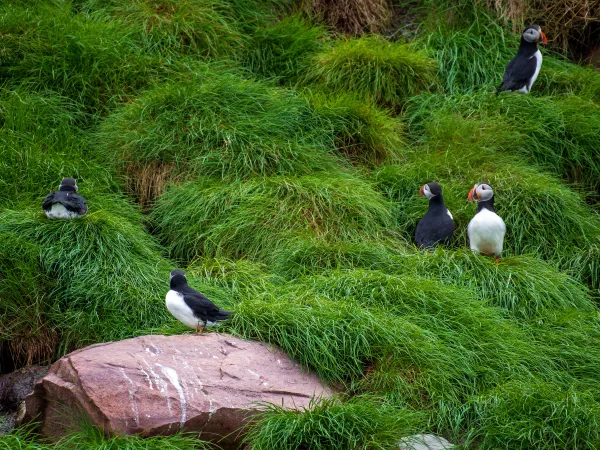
(164,384)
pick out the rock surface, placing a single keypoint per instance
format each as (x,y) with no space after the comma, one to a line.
(14,387)
(424,442)
(164,384)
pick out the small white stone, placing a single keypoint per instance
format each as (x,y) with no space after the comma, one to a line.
(424,442)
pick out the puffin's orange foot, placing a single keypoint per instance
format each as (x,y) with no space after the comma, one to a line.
(200,330)
(497,260)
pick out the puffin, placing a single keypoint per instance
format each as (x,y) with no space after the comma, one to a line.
(486,229)
(190,307)
(437,226)
(65,203)
(522,71)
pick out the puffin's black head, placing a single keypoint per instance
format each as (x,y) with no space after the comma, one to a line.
(68,184)
(431,190)
(481,192)
(178,279)
(534,33)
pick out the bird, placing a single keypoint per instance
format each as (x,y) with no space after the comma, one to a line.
(486,229)
(65,203)
(437,226)
(522,71)
(190,307)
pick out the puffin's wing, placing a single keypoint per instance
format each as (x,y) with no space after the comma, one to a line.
(199,304)
(74,202)
(518,71)
(48,201)
(423,236)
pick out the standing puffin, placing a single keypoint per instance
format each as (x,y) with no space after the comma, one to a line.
(437,226)
(522,71)
(66,203)
(486,230)
(190,307)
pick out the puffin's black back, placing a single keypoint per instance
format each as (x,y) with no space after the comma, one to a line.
(436,226)
(69,199)
(201,306)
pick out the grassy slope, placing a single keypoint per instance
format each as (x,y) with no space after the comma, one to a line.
(279,164)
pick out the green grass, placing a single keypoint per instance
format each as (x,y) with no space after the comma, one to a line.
(364,133)
(92,438)
(374,69)
(85,57)
(282,50)
(202,28)
(219,123)
(253,218)
(557,133)
(329,424)
(544,217)
(42,141)
(101,278)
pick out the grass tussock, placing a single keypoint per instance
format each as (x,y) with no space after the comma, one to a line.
(219,124)
(374,69)
(107,279)
(42,141)
(557,133)
(282,51)
(254,218)
(85,57)
(363,133)
(331,424)
(203,28)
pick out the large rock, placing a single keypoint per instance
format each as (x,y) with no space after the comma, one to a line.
(164,384)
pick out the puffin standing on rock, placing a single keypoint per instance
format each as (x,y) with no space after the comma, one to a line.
(437,226)
(190,307)
(486,230)
(522,71)
(66,203)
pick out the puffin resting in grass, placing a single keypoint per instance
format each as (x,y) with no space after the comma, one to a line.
(486,230)
(190,307)
(522,71)
(65,203)
(437,226)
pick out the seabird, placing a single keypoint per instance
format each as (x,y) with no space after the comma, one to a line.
(437,226)
(66,203)
(190,307)
(522,71)
(486,230)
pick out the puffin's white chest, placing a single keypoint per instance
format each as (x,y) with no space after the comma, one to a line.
(486,233)
(538,65)
(58,211)
(182,312)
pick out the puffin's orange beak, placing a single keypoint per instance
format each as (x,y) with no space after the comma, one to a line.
(422,190)
(544,38)
(472,195)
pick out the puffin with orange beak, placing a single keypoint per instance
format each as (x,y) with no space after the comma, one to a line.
(437,226)
(487,229)
(522,71)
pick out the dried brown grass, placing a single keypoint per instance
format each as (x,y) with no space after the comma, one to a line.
(355,17)
(147,180)
(34,345)
(565,22)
